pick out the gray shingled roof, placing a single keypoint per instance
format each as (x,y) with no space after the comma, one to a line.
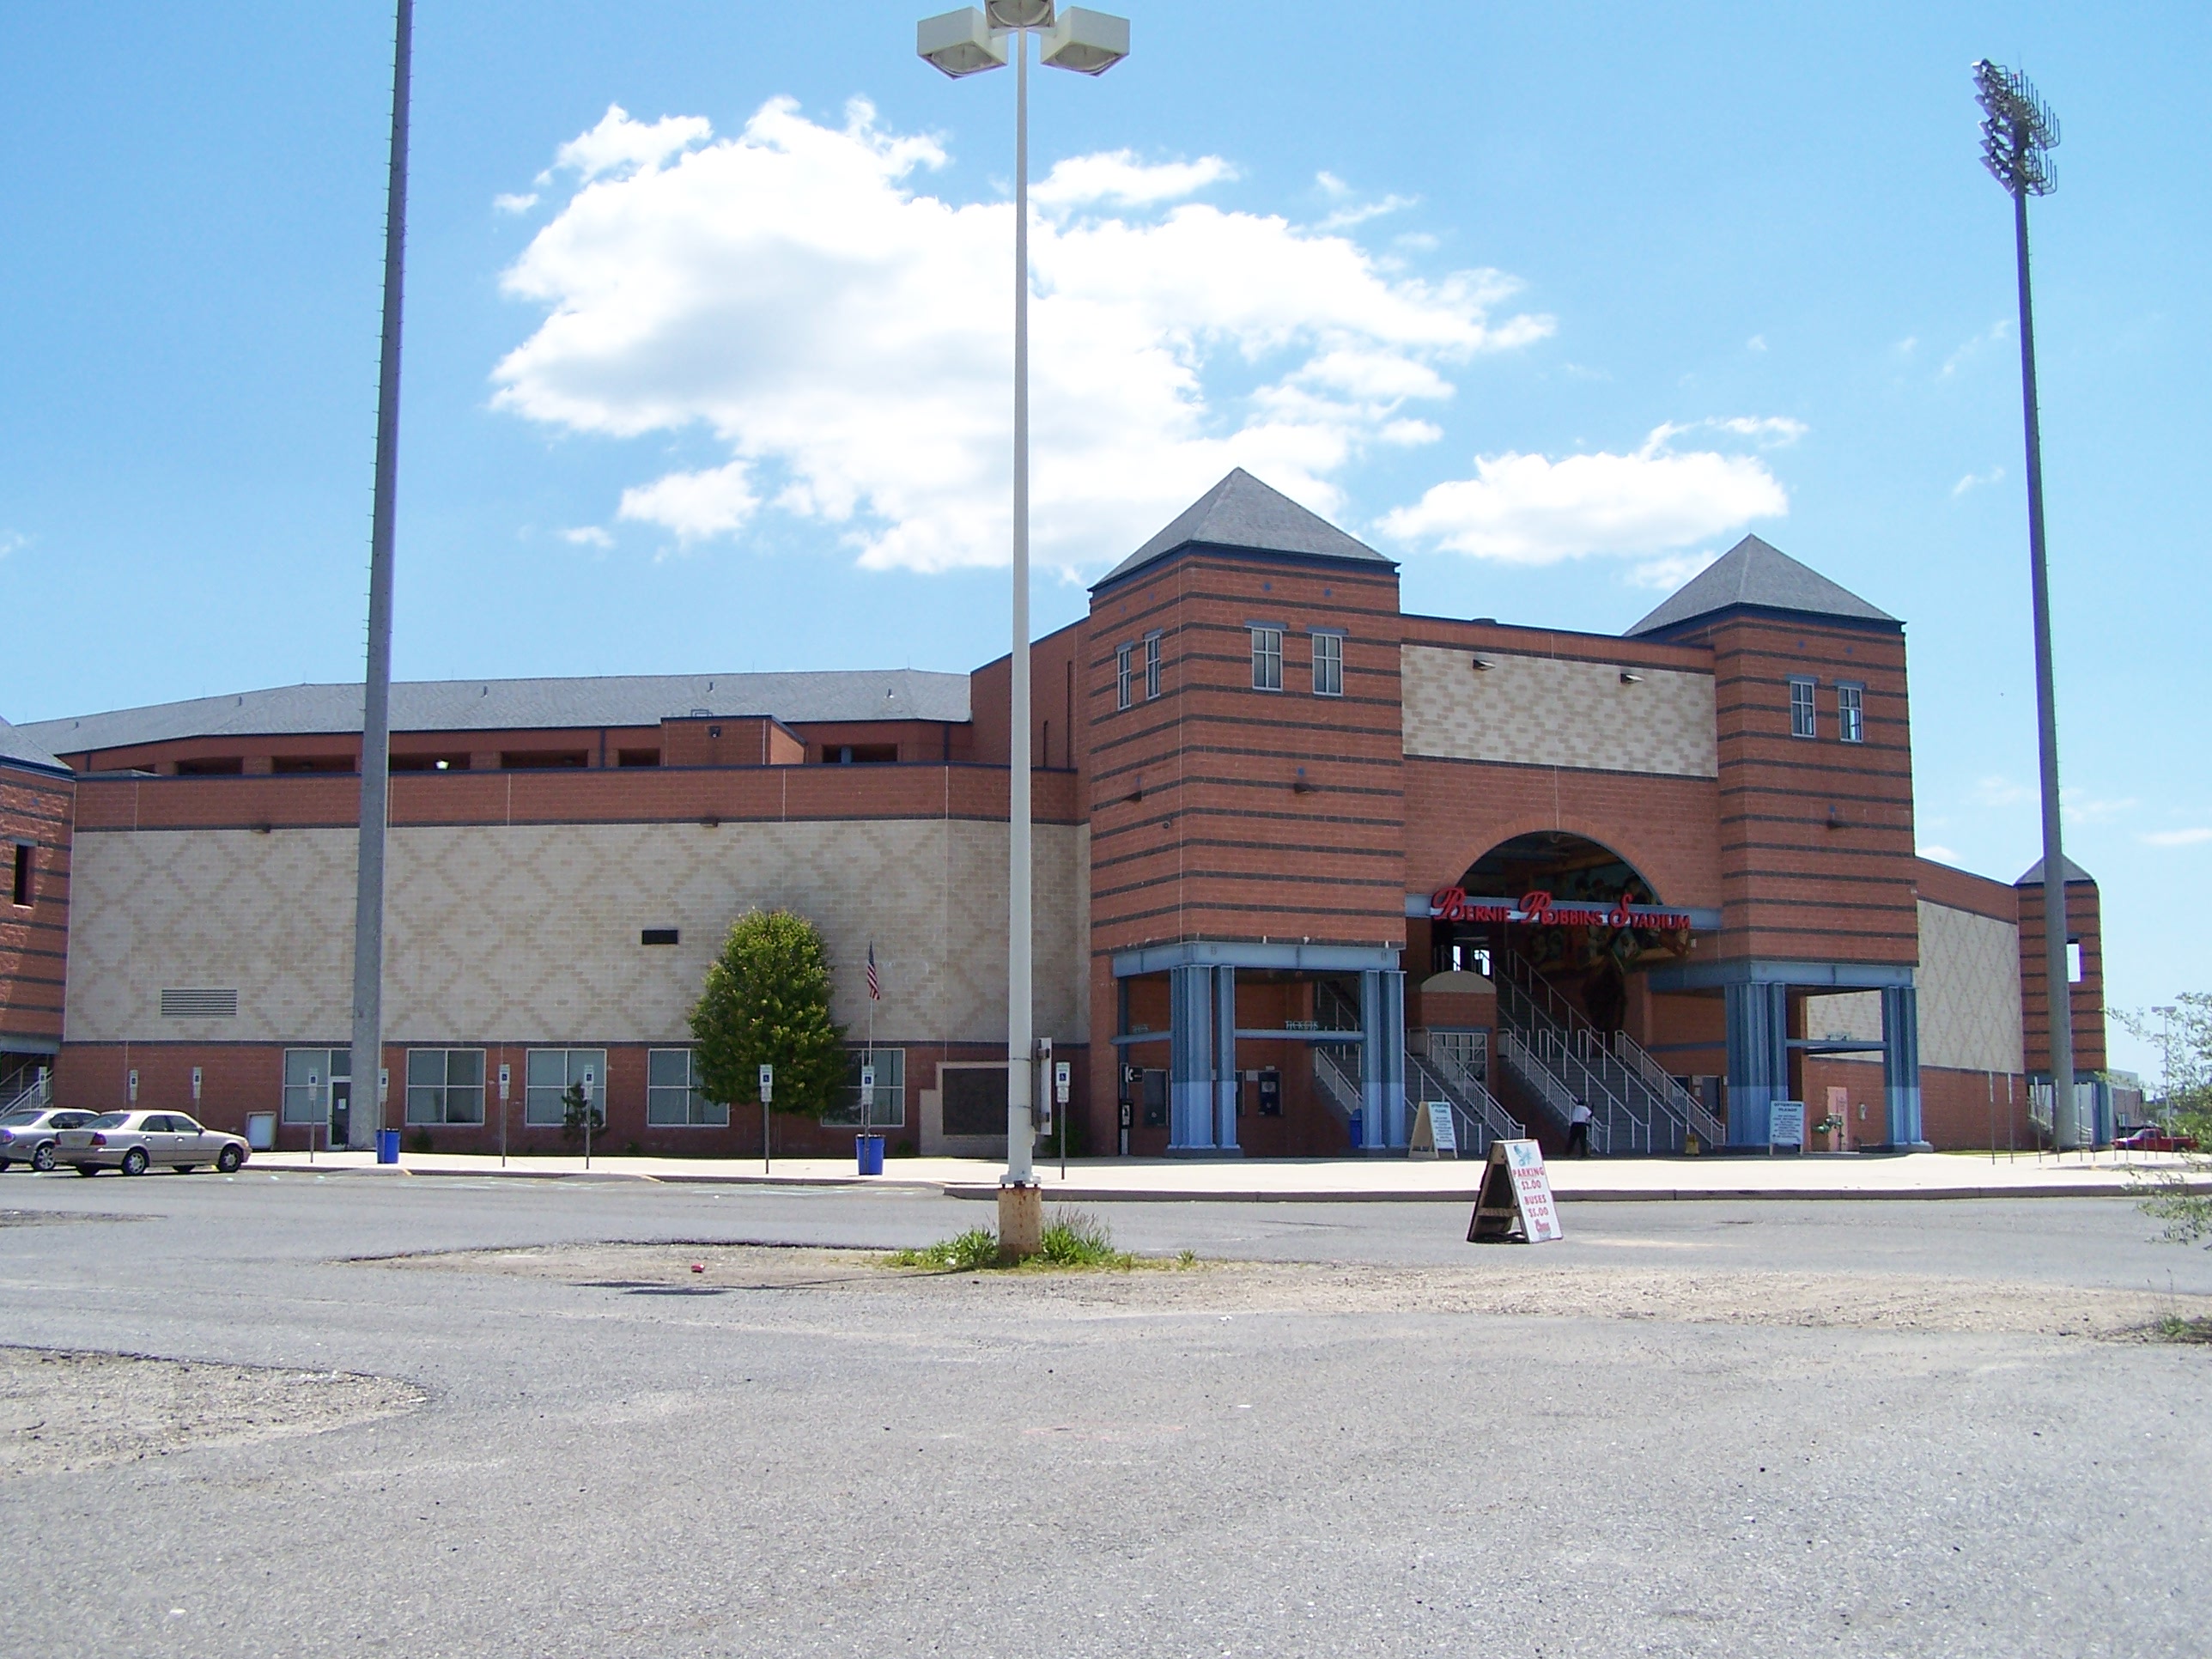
(17,748)
(896,694)
(2033,876)
(1753,574)
(1241,512)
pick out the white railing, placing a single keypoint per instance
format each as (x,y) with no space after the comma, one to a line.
(1669,1087)
(39,1091)
(1480,1119)
(1340,1088)
(1617,1089)
(1551,1091)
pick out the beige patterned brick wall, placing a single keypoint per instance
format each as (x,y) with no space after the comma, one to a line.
(1969,983)
(530,933)
(1546,711)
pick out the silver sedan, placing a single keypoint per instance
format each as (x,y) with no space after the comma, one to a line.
(134,1142)
(28,1136)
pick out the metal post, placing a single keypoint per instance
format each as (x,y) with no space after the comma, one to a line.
(376,694)
(2059,997)
(1019,1061)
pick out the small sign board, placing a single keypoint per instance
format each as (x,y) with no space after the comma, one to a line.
(1785,1125)
(767,1084)
(1515,1203)
(1433,1135)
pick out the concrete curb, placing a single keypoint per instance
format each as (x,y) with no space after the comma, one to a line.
(1243,1194)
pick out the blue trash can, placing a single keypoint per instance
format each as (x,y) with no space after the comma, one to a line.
(387,1146)
(869,1151)
(1357,1125)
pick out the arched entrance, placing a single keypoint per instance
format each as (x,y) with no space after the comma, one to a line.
(1566,928)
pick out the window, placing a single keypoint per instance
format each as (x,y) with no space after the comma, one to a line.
(1266,660)
(217,767)
(672,1099)
(306,1101)
(446,1085)
(1801,708)
(1122,680)
(2073,962)
(637,757)
(1851,712)
(974,1099)
(547,1075)
(543,760)
(1151,667)
(661,936)
(888,1111)
(25,855)
(1328,665)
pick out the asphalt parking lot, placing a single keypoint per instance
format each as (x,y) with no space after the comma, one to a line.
(1671,1441)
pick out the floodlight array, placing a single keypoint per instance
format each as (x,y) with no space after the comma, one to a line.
(2019,131)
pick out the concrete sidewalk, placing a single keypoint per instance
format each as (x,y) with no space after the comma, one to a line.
(1920,1175)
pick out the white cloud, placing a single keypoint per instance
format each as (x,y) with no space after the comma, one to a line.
(2080,806)
(1940,854)
(589,535)
(1975,480)
(1532,509)
(1756,343)
(1998,791)
(1118,176)
(2177,837)
(1994,334)
(12,542)
(511,203)
(1668,574)
(846,337)
(1332,187)
(619,145)
(1345,217)
(1769,431)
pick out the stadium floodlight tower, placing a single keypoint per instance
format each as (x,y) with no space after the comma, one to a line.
(967,42)
(2019,132)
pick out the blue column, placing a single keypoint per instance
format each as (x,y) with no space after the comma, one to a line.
(1900,1064)
(1393,1039)
(1190,1063)
(1225,1055)
(1382,1058)
(1758,1058)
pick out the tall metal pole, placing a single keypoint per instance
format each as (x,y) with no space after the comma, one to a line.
(376,691)
(2019,131)
(1020,1039)
(2064,1127)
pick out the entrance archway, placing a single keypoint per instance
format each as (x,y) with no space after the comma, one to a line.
(1568,909)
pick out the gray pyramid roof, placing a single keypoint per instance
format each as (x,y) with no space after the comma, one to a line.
(1753,574)
(17,749)
(2033,876)
(895,694)
(1241,512)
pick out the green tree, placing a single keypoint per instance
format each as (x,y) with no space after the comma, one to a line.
(767,1002)
(2182,1033)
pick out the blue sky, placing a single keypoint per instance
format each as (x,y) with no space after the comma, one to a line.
(1550,302)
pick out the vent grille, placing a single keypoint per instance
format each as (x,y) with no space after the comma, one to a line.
(199,1005)
(661,936)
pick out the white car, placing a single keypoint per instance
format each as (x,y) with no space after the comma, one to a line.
(134,1142)
(28,1136)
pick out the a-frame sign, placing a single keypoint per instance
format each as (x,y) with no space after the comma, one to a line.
(1515,1204)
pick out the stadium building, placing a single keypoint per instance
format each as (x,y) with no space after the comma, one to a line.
(1302,859)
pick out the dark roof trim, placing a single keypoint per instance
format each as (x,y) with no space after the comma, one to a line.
(1379,567)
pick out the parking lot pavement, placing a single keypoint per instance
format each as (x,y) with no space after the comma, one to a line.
(610,1464)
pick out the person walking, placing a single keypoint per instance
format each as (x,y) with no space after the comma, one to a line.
(1578,1122)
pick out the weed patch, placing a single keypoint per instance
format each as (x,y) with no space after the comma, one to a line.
(2173,1328)
(1073,1241)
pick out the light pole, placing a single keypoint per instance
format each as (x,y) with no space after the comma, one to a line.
(2018,133)
(362,1126)
(967,42)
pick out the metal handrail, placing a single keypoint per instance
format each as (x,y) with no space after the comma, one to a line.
(1611,1076)
(38,1092)
(1474,1108)
(1670,1089)
(1550,1090)
(1342,1089)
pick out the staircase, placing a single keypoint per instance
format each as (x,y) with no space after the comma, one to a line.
(1558,1056)
(1477,1117)
(37,1091)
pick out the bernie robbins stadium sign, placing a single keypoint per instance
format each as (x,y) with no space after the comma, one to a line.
(1540,909)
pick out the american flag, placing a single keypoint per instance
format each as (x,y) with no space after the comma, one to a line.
(875,985)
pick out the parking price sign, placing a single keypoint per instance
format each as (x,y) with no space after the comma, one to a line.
(1515,1201)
